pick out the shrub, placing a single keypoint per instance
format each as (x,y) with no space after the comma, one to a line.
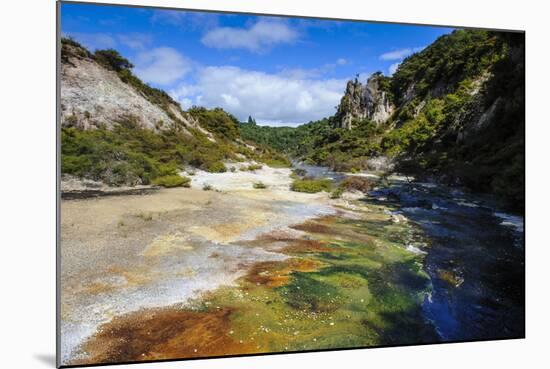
(259,185)
(251,167)
(71,120)
(216,167)
(299,172)
(356,183)
(311,185)
(255,166)
(207,187)
(337,192)
(172,181)
(168,169)
(145,216)
(279,162)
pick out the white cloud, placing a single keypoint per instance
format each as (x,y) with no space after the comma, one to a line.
(302,73)
(393,68)
(400,54)
(162,65)
(257,38)
(186,19)
(173,17)
(269,98)
(396,54)
(318,72)
(341,61)
(138,41)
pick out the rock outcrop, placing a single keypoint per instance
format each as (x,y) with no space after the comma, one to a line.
(94,96)
(370,101)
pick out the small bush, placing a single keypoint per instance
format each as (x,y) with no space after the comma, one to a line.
(145,216)
(311,185)
(259,185)
(251,167)
(207,187)
(172,181)
(278,163)
(356,183)
(337,192)
(216,167)
(169,169)
(299,172)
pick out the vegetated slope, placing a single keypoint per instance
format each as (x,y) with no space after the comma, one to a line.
(454,111)
(465,119)
(120,131)
(283,139)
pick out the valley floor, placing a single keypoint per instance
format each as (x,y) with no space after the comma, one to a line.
(185,273)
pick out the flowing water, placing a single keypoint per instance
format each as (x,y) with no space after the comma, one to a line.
(474,256)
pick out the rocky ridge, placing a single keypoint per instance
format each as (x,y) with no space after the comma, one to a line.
(365,101)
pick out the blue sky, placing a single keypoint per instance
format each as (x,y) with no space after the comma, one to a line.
(281,71)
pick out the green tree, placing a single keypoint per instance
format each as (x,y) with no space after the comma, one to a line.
(251,120)
(111,59)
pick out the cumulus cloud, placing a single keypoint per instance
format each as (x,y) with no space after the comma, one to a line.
(258,37)
(400,54)
(137,41)
(270,98)
(162,65)
(318,72)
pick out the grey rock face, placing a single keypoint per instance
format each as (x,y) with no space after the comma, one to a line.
(93,96)
(368,101)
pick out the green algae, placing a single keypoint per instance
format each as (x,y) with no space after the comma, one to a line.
(366,290)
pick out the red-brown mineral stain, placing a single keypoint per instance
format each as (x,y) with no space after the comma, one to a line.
(164,334)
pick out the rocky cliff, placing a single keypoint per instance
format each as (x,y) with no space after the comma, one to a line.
(96,94)
(370,101)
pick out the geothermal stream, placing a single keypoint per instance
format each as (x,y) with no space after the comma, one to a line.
(474,256)
(169,247)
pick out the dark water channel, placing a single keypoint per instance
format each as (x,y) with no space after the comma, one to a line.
(474,256)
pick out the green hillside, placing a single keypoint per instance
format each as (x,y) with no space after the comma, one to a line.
(459,117)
